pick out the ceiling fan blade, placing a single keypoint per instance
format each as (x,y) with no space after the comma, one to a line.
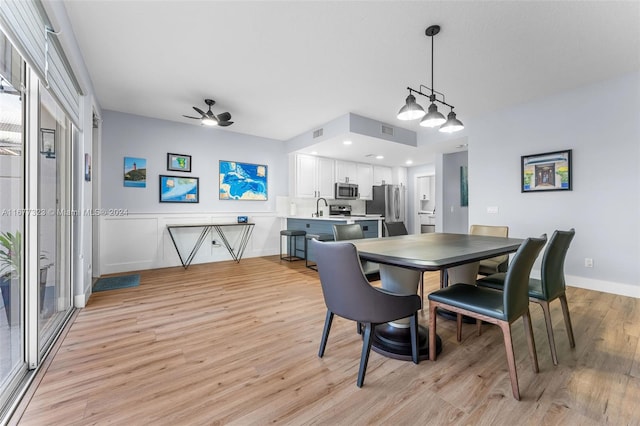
(225,123)
(225,116)
(195,118)
(200,111)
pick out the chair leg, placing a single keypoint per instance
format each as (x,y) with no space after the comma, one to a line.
(547,319)
(358,327)
(508,344)
(325,333)
(528,331)
(459,327)
(366,349)
(432,331)
(414,338)
(567,319)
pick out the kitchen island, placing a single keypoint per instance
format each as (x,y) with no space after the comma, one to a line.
(371,225)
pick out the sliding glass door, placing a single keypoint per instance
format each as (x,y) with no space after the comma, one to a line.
(54,224)
(12,216)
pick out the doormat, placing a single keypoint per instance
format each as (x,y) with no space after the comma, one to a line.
(114,283)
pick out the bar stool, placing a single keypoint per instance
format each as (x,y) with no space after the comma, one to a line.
(319,237)
(292,238)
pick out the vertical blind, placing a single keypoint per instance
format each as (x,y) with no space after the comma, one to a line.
(25,24)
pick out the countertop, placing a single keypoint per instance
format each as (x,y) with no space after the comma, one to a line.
(354,218)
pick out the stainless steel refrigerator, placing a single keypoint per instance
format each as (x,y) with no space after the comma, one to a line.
(389,201)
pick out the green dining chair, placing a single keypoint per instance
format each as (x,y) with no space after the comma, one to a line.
(500,308)
(550,287)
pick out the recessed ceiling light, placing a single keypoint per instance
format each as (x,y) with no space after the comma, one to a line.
(379,157)
(408,162)
(314,152)
(347,142)
(462,145)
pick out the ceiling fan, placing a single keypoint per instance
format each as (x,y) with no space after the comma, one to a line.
(209,118)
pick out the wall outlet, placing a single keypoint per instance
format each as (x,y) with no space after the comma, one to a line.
(588,262)
(492,209)
(215,243)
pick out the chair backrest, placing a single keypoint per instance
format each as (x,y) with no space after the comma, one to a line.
(492,231)
(516,283)
(395,228)
(347,292)
(552,275)
(351,231)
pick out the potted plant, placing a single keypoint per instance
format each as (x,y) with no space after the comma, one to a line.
(10,266)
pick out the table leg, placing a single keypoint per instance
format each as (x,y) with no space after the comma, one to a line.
(244,239)
(186,262)
(393,339)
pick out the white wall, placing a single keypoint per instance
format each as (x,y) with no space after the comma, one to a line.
(139,239)
(601,124)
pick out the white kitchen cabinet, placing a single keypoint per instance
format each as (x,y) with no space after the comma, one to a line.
(382,175)
(364,179)
(346,172)
(314,176)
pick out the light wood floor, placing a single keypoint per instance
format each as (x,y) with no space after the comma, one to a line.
(227,343)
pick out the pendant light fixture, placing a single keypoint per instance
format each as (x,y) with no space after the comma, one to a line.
(433,118)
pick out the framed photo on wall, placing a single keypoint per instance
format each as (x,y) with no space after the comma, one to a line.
(178,189)
(48,142)
(178,162)
(242,181)
(550,171)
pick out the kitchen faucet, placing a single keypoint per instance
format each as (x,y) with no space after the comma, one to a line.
(318,206)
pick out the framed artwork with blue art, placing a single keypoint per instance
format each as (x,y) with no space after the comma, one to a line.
(242,181)
(178,189)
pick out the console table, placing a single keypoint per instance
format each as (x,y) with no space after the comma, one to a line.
(245,233)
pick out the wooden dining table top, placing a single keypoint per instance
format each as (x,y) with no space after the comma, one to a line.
(433,251)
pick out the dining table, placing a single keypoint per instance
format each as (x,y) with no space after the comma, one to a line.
(403,259)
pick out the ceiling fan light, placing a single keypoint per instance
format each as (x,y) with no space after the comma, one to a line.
(433,117)
(452,124)
(209,121)
(411,110)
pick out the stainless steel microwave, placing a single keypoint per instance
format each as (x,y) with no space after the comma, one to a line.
(346,191)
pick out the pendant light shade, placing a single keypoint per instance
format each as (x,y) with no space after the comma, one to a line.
(433,117)
(411,110)
(452,124)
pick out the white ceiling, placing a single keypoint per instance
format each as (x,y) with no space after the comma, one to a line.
(285,68)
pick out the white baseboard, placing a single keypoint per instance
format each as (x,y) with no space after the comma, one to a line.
(603,286)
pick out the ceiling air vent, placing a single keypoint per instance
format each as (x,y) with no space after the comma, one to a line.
(317,133)
(387,130)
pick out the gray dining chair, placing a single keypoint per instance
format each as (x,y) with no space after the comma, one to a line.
(353,231)
(550,287)
(500,308)
(348,294)
(395,228)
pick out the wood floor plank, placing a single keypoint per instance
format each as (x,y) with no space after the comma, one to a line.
(229,343)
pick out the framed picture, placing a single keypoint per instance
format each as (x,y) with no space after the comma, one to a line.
(178,162)
(178,189)
(48,142)
(87,167)
(550,171)
(135,172)
(242,181)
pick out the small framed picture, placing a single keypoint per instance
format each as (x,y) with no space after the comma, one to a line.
(179,189)
(178,162)
(550,171)
(87,167)
(48,142)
